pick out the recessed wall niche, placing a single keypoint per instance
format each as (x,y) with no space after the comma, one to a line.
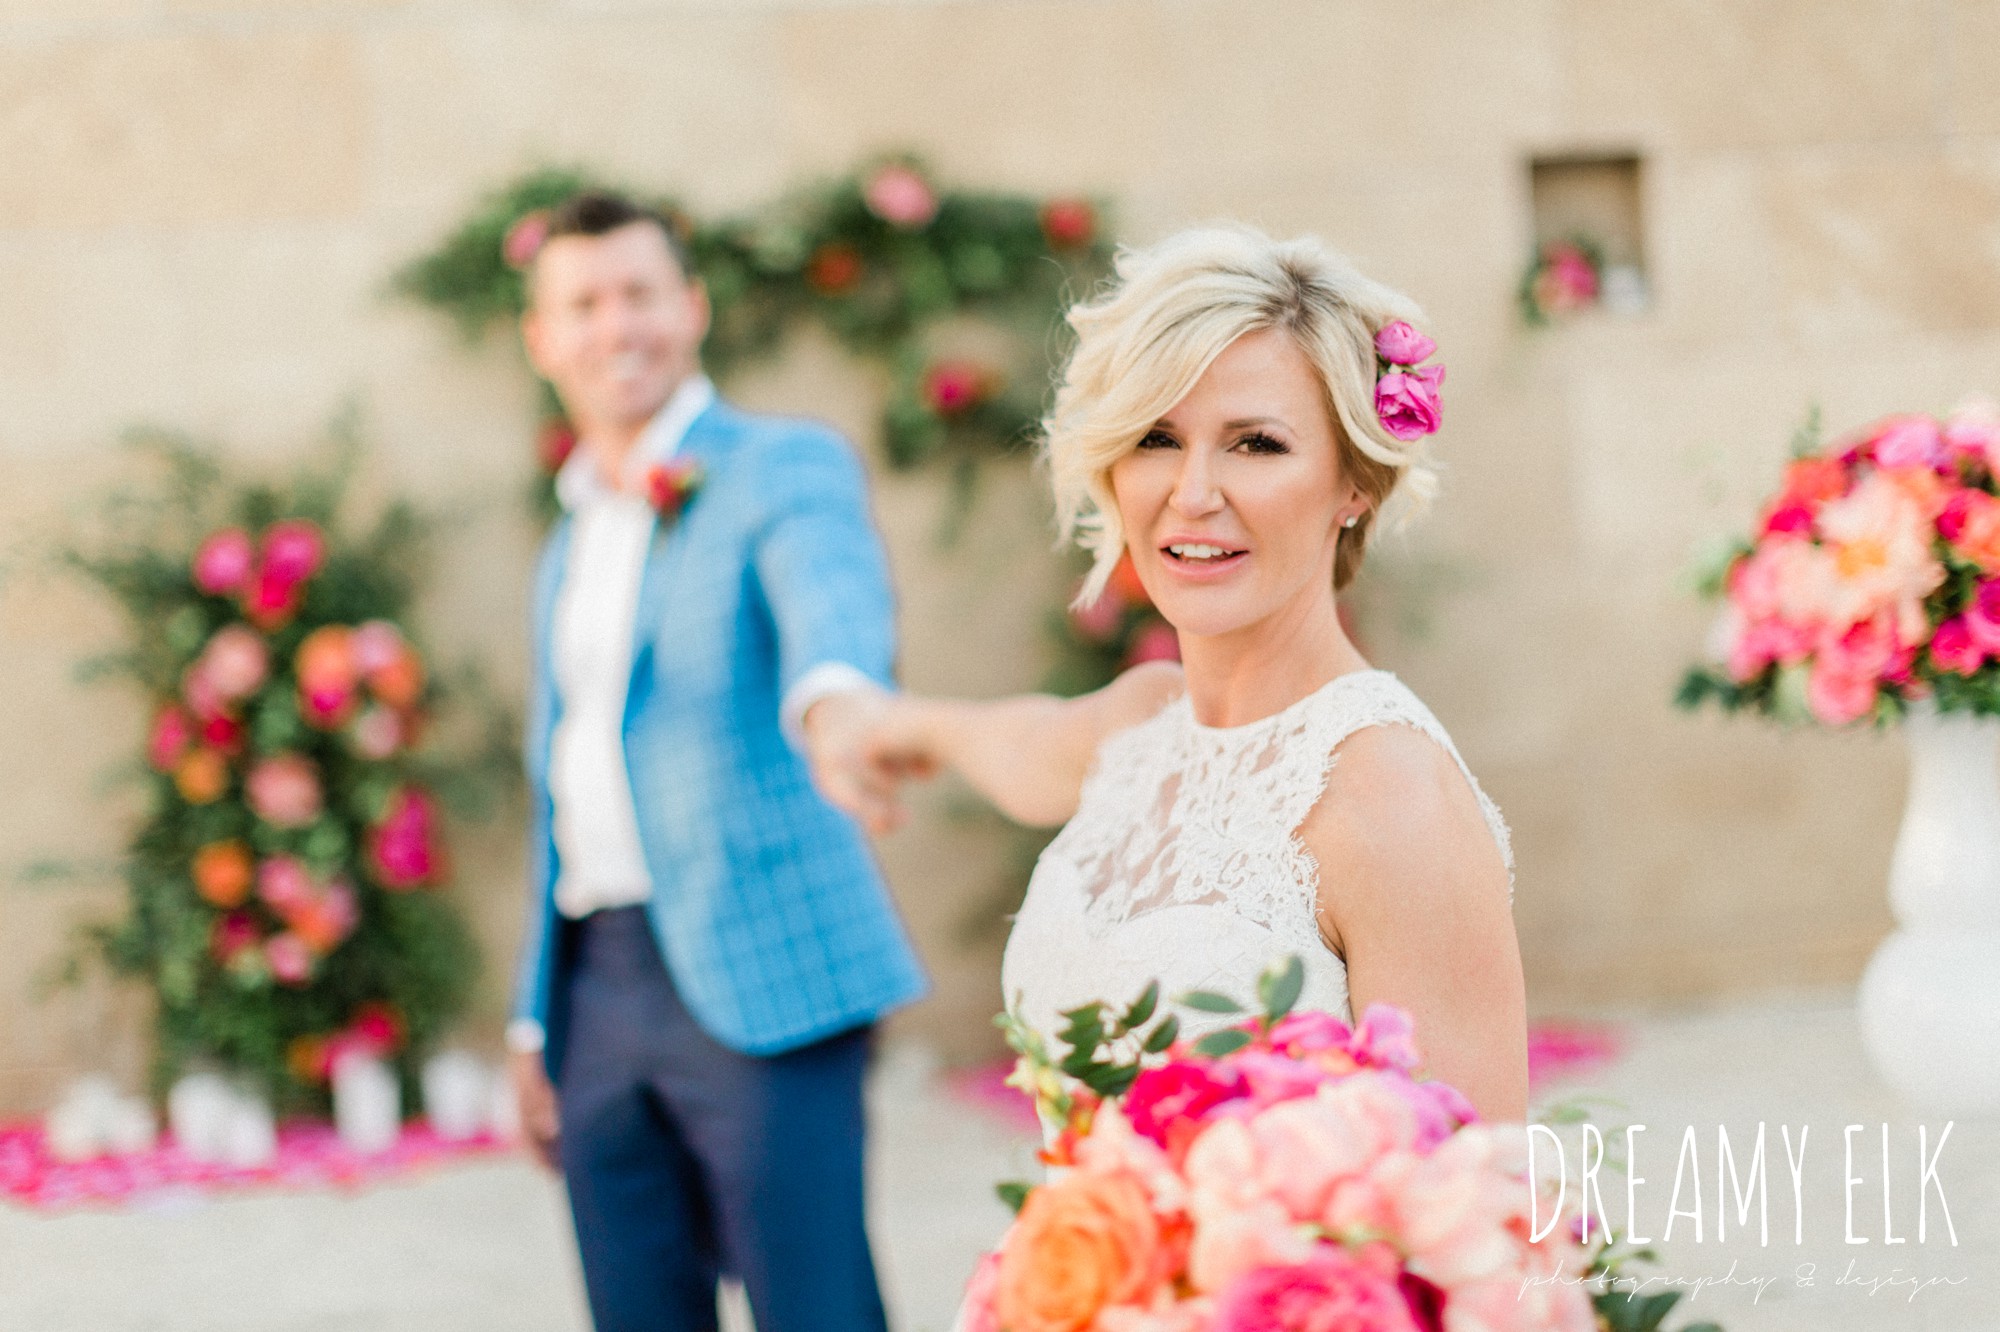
(1589,237)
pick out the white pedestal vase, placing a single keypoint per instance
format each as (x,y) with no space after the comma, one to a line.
(1930,999)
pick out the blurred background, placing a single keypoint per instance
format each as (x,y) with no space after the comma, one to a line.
(1777,204)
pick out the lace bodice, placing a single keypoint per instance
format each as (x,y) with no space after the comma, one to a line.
(1183,861)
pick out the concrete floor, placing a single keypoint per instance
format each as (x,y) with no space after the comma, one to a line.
(485,1246)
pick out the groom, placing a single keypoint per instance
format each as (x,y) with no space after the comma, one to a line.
(708,941)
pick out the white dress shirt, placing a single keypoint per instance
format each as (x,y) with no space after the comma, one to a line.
(601,863)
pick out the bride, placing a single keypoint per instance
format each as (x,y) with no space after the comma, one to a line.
(1234,416)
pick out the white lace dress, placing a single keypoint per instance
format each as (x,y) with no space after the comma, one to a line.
(1183,863)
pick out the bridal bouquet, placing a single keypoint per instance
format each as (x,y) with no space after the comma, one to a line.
(1288,1174)
(1872,579)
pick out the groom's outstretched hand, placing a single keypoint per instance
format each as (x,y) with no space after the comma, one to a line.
(536,1097)
(862,750)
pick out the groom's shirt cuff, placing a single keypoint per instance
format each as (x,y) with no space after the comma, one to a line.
(822,681)
(526,1036)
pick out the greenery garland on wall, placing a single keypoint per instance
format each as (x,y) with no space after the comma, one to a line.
(284,886)
(880,258)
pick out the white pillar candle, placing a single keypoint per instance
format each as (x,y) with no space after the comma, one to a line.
(367,1104)
(250,1138)
(458,1094)
(199,1109)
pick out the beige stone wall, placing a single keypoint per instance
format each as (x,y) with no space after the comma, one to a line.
(201,199)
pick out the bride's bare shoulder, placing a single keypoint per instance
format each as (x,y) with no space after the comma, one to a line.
(1136,695)
(1396,805)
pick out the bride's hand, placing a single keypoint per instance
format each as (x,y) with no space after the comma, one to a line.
(864,746)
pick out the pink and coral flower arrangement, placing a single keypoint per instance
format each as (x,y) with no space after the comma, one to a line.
(1870,582)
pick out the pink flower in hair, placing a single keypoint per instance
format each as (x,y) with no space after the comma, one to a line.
(1400,344)
(1407,401)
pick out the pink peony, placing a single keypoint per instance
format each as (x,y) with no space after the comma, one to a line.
(1836,697)
(172,733)
(1167,1103)
(232,933)
(377,733)
(235,663)
(271,600)
(289,958)
(1953,650)
(376,645)
(1334,1290)
(1908,441)
(284,791)
(1155,642)
(1407,402)
(1386,1038)
(222,562)
(953,388)
(1400,344)
(403,848)
(900,196)
(293,551)
(284,884)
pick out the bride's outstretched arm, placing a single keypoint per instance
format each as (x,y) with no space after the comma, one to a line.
(1414,896)
(1028,753)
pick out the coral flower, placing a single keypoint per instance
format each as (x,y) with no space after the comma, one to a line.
(834,269)
(222,873)
(1080,1245)
(202,776)
(1154,642)
(1069,224)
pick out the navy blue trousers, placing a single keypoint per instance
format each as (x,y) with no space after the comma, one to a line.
(686,1159)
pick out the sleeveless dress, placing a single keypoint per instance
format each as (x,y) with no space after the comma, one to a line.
(1183,863)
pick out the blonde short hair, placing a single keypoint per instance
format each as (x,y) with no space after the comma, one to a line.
(1173,308)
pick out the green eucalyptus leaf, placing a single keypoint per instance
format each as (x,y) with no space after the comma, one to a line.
(1280,987)
(1207,1001)
(1219,1043)
(1014,1193)
(1163,1035)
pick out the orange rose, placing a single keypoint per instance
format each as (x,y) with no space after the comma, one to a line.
(1080,1244)
(222,873)
(202,776)
(1978,539)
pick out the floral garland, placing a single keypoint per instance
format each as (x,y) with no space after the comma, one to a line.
(880,258)
(283,885)
(1872,582)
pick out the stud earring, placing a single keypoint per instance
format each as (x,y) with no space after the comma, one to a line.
(1352,519)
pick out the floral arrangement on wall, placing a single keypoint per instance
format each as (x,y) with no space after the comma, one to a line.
(1871,580)
(1562,278)
(285,886)
(881,258)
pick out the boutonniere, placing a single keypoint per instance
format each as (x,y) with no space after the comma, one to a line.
(671,487)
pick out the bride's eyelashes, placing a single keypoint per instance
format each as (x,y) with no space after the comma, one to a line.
(1259,441)
(1256,441)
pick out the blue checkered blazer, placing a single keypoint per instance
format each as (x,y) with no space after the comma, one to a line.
(769,909)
